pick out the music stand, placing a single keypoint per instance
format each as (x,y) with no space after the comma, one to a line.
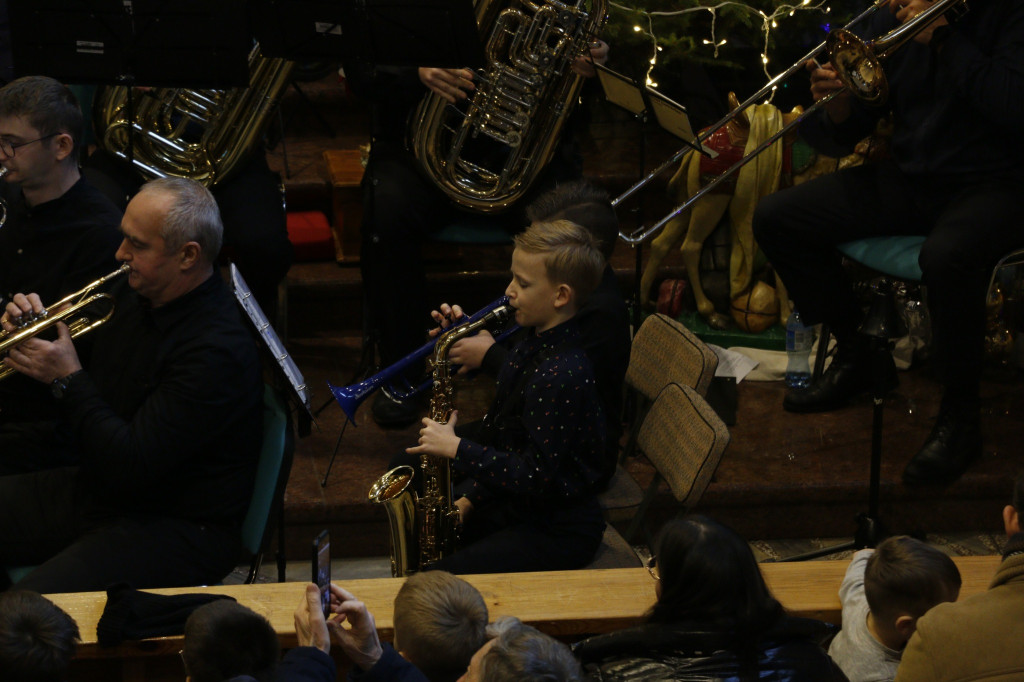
(272,344)
(622,91)
(187,43)
(441,33)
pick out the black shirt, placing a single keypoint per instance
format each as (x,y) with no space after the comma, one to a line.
(169,416)
(542,443)
(603,322)
(956,110)
(52,249)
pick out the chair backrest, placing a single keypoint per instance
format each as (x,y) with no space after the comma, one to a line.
(664,351)
(272,472)
(684,439)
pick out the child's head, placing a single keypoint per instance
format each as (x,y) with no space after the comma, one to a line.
(555,266)
(584,204)
(440,622)
(903,579)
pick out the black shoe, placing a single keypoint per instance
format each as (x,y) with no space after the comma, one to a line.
(952,445)
(394,413)
(844,379)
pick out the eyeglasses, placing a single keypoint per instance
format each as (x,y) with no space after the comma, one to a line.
(8,148)
(181,652)
(652,567)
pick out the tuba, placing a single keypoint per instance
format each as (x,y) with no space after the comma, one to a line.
(425,529)
(197,134)
(486,151)
(76,303)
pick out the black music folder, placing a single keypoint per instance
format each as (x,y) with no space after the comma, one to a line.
(185,43)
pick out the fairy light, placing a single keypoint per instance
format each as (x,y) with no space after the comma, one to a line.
(769,22)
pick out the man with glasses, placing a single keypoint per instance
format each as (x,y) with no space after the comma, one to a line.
(59,232)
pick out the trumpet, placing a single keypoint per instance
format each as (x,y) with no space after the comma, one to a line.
(76,302)
(392,379)
(856,61)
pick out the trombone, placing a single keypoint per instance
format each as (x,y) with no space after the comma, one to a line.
(856,61)
(36,324)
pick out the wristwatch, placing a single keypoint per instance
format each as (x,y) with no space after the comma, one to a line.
(59,385)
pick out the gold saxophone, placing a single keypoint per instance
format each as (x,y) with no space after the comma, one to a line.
(425,529)
(519,107)
(197,134)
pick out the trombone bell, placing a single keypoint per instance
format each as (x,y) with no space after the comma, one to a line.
(858,66)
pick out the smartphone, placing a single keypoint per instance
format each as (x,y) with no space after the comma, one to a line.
(322,569)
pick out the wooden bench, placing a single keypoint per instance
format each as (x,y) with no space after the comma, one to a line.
(565,604)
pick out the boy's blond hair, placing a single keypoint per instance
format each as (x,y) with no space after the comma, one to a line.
(440,622)
(571,255)
(907,577)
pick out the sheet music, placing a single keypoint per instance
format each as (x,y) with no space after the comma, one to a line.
(270,339)
(621,90)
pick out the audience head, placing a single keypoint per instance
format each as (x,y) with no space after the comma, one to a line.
(584,204)
(1011,513)
(37,639)
(567,254)
(520,653)
(903,579)
(224,639)
(708,574)
(48,108)
(440,622)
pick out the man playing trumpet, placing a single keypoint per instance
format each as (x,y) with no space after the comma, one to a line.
(166,421)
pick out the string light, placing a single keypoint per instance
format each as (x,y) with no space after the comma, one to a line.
(768,23)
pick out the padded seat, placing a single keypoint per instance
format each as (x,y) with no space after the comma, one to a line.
(895,256)
(472,230)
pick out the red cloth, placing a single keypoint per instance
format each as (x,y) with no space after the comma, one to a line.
(310,235)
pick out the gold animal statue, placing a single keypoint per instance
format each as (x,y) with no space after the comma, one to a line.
(739,196)
(772,170)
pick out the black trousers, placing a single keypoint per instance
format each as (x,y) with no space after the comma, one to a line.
(500,538)
(49,519)
(969,222)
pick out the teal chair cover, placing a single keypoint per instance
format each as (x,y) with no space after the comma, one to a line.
(472,230)
(893,256)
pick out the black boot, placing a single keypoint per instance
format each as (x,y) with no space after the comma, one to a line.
(849,375)
(953,444)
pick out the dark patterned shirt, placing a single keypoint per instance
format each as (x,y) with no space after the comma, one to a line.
(544,440)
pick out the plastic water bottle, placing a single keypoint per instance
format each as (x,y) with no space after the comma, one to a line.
(799,340)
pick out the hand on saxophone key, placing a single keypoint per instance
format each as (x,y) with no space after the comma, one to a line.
(437,439)
(445,316)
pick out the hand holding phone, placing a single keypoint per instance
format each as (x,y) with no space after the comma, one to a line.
(322,570)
